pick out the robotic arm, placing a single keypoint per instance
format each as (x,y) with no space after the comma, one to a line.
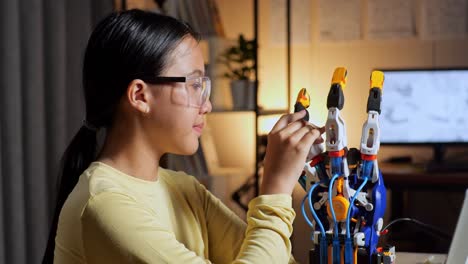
(346,200)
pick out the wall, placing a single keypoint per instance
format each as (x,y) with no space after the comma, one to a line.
(313,64)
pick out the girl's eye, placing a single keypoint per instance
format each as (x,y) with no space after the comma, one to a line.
(196,85)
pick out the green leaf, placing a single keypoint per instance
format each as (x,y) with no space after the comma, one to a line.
(239,59)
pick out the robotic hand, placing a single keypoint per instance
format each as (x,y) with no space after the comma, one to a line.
(345,189)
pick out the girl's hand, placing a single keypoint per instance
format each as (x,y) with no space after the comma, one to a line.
(288,145)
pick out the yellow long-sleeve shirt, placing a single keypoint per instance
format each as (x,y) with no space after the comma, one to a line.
(111,217)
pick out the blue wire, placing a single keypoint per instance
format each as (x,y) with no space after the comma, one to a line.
(330,188)
(317,220)
(323,239)
(304,212)
(348,254)
(348,216)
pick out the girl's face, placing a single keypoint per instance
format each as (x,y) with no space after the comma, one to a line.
(175,126)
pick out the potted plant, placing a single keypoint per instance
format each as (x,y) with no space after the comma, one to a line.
(239,60)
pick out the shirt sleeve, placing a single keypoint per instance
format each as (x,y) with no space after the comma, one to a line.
(117,229)
(265,237)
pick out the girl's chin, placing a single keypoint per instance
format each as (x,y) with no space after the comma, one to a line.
(194,147)
(189,148)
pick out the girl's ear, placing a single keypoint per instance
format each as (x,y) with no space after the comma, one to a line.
(138,95)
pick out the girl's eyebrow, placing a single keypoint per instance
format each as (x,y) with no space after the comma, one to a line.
(197,72)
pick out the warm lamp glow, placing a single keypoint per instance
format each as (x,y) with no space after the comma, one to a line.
(234,138)
(274,100)
(266,123)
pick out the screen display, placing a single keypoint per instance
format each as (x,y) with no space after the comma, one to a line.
(424,106)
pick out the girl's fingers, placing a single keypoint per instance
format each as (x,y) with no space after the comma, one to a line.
(287,119)
(319,140)
(293,127)
(299,134)
(309,138)
(303,135)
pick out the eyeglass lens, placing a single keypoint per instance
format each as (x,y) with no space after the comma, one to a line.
(198,90)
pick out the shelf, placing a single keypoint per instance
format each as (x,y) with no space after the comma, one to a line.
(232,111)
(273,112)
(260,113)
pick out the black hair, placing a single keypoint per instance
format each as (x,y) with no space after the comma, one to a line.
(124,46)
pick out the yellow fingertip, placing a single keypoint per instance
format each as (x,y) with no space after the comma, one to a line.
(339,76)
(377,79)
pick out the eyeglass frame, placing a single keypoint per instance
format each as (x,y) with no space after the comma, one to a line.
(180,79)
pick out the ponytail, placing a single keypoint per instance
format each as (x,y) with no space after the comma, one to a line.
(77,157)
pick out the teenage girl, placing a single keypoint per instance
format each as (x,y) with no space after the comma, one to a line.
(145,87)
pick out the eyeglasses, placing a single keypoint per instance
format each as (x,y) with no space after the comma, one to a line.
(196,93)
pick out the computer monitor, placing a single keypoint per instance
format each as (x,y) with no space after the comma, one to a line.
(425,107)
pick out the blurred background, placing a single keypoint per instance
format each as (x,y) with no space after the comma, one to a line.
(259,54)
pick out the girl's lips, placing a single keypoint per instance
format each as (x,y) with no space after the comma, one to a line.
(198,128)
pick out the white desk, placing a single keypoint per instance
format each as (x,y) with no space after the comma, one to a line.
(420,258)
